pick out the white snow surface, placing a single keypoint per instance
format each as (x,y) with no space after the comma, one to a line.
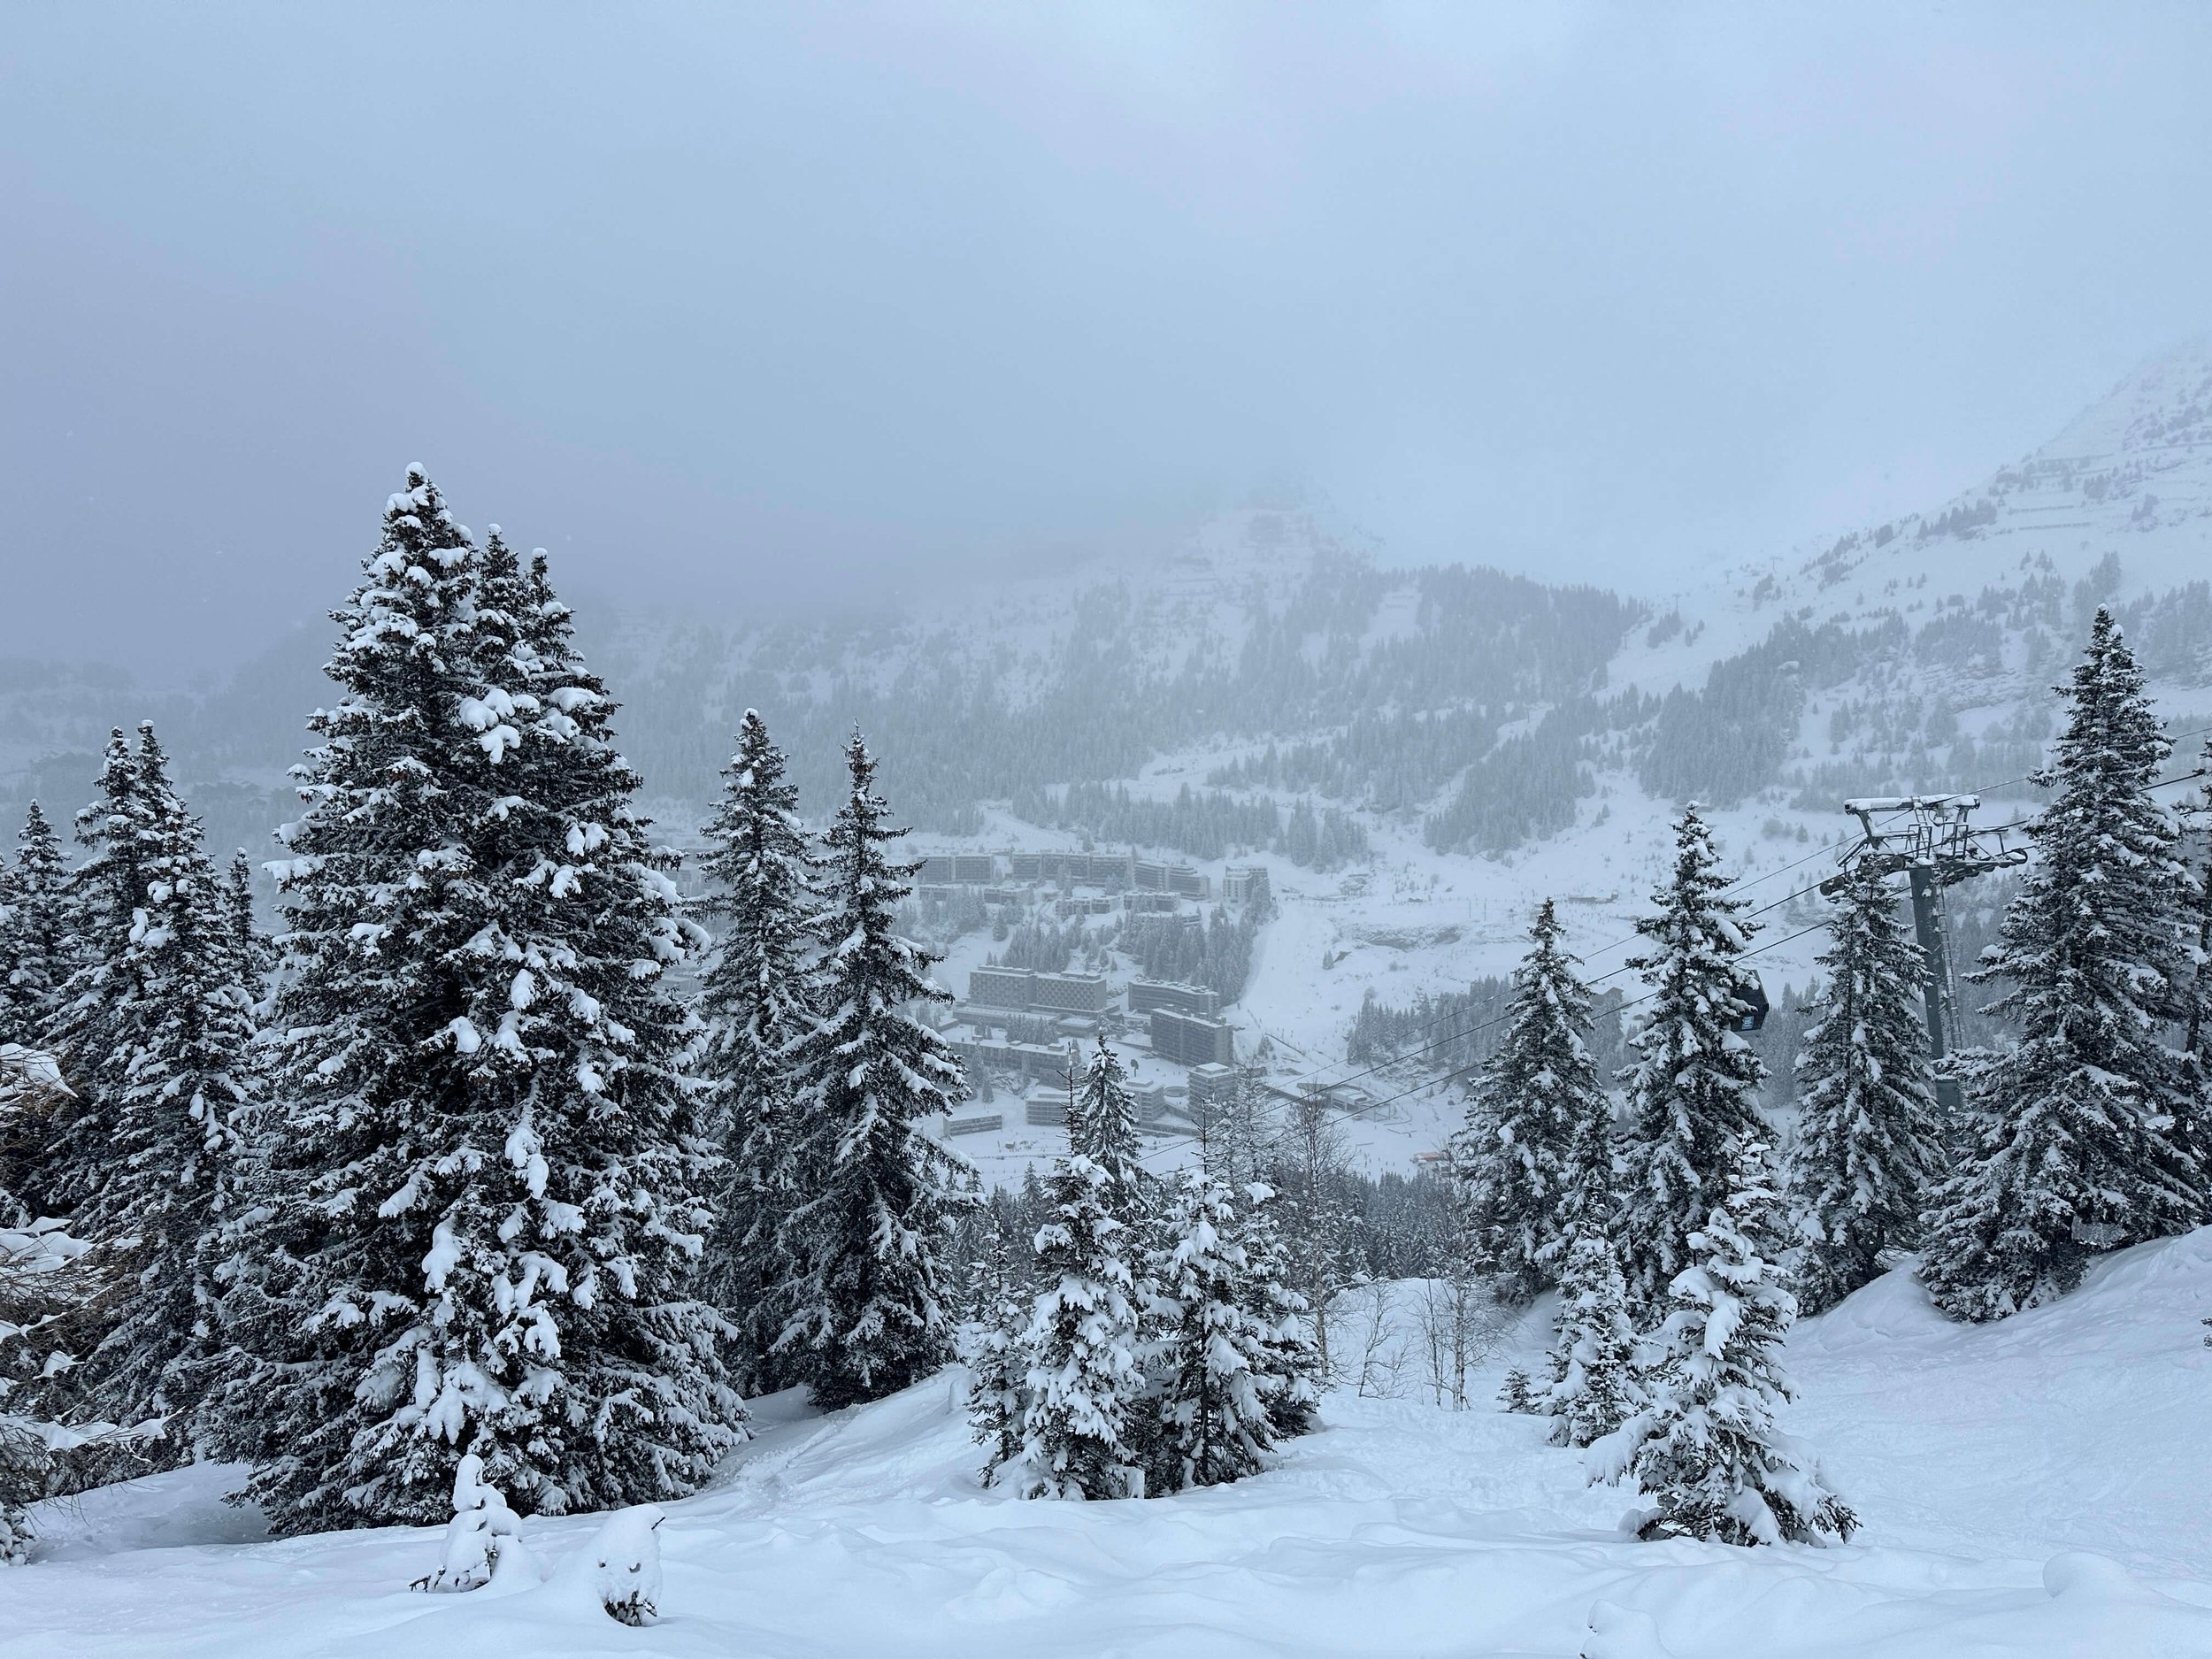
(2036,1487)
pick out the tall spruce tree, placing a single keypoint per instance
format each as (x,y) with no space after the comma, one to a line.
(1233,1135)
(2196,1046)
(105,897)
(2080,1144)
(475,1212)
(1537,1119)
(1079,1439)
(38,944)
(1693,1089)
(1215,1355)
(868,1312)
(255,957)
(992,1346)
(757,998)
(159,1034)
(1866,1146)
(1293,1366)
(1104,1128)
(1706,1450)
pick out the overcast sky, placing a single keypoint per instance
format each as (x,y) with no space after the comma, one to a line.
(779,301)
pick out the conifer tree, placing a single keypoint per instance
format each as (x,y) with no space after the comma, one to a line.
(755,995)
(1316,1225)
(255,957)
(1293,1367)
(1215,1354)
(1235,1137)
(476,1209)
(992,1348)
(38,945)
(2196,1048)
(1866,1144)
(1078,1439)
(1706,1448)
(868,1316)
(1693,1089)
(2080,1142)
(1593,1387)
(1104,1128)
(1537,1117)
(158,1035)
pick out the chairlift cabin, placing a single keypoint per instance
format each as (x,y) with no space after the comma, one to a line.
(1752,995)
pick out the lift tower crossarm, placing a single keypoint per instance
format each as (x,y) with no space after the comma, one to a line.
(1932,840)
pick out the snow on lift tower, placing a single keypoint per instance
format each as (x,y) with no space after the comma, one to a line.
(1932,840)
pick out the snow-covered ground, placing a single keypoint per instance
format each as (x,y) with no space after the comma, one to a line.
(2037,1488)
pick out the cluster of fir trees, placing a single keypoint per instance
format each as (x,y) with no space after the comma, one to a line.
(1664,1239)
(2092,1131)
(1152,1341)
(2086,1132)
(461,1175)
(1679,1264)
(140,968)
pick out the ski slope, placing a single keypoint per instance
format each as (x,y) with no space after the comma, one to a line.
(2037,1488)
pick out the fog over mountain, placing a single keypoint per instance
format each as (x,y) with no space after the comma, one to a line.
(1282,827)
(756,309)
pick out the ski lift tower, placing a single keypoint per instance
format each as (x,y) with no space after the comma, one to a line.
(1932,840)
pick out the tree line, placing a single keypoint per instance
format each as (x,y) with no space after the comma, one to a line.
(1683,1248)
(450,1171)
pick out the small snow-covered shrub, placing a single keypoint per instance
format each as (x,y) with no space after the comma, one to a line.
(625,1565)
(483,1540)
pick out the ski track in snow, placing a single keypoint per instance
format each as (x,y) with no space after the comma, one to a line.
(1984,1461)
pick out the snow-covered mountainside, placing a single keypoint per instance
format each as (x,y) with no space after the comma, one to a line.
(2030,1488)
(1415,757)
(1465,743)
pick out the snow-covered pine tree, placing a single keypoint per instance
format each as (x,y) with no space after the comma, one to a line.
(992,1348)
(1215,1354)
(1079,1436)
(1706,1448)
(1104,1128)
(2197,926)
(1693,1090)
(1593,1387)
(101,896)
(1317,1224)
(1866,1146)
(1536,1107)
(52,1295)
(474,1217)
(38,944)
(867,1308)
(755,996)
(1233,1139)
(255,956)
(7,916)
(158,1034)
(1293,1371)
(2075,1148)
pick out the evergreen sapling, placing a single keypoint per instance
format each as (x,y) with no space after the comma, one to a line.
(1706,1448)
